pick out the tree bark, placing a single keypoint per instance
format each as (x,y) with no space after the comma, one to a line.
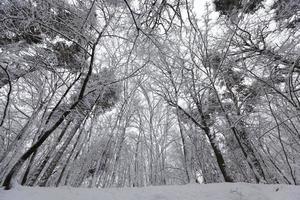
(38,170)
(48,172)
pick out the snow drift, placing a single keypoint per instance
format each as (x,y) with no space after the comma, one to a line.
(221,191)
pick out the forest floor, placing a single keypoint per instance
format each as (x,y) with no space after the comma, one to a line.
(220,191)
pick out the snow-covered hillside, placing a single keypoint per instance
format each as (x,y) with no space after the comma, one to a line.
(222,191)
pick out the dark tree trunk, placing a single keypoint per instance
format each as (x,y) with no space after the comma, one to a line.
(25,176)
(219,156)
(45,177)
(184,148)
(36,173)
(215,147)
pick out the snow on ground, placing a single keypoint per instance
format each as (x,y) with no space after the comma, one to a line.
(221,191)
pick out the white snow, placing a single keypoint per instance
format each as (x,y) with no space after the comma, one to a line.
(221,191)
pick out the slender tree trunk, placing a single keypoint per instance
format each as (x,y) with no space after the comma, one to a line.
(38,170)
(68,159)
(242,139)
(184,147)
(281,144)
(48,172)
(25,176)
(249,153)
(118,154)
(21,133)
(218,153)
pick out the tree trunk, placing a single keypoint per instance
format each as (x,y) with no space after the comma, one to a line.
(58,155)
(36,173)
(68,159)
(184,147)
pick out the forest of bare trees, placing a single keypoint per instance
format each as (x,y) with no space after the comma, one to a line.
(114,93)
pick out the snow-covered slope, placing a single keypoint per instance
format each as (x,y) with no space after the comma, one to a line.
(222,191)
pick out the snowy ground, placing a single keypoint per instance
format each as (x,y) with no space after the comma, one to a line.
(223,191)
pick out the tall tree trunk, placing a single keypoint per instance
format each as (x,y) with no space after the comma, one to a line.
(118,155)
(48,172)
(248,152)
(68,159)
(21,133)
(136,161)
(38,170)
(218,153)
(241,137)
(184,147)
(26,173)
(243,140)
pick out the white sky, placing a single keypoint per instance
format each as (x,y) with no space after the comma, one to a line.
(199,9)
(199,5)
